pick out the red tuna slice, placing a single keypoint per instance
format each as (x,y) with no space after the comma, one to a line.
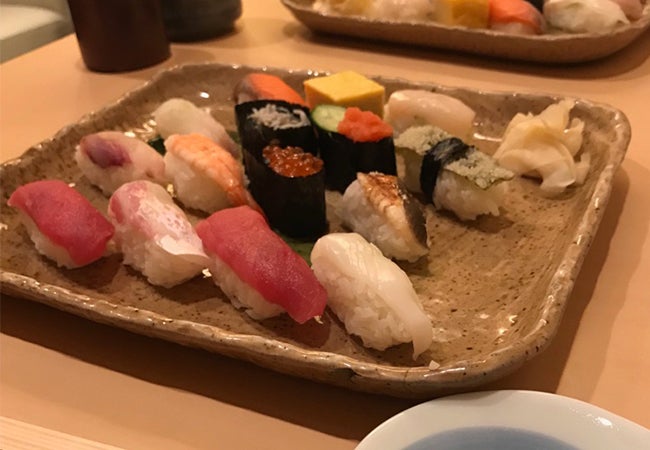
(65,217)
(242,239)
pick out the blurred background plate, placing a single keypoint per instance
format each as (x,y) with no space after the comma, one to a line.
(549,48)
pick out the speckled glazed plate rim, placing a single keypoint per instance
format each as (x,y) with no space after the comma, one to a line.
(555,48)
(332,368)
(568,420)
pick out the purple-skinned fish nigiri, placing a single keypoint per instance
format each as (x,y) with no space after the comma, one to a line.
(109,159)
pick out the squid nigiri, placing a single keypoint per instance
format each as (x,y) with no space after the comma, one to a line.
(411,107)
(204,175)
(256,269)
(62,223)
(584,16)
(154,235)
(180,116)
(110,158)
(370,294)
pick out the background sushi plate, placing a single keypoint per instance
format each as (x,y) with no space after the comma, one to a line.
(556,48)
(495,289)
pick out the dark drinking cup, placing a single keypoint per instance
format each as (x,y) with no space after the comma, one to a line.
(119,35)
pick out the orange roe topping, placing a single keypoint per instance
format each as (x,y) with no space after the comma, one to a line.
(363,126)
(291,162)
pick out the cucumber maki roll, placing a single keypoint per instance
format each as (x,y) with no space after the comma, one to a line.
(290,188)
(451,174)
(351,141)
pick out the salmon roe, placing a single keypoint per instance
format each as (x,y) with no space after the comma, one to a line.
(291,162)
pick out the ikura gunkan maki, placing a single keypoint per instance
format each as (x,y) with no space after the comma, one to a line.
(290,188)
(351,141)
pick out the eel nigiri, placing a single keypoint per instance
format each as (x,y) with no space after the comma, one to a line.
(256,269)
(204,175)
(110,158)
(154,235)
(180,116)
(378,207)
(409,107)
(62,223)
(516,17)
(370,294)
(264,86)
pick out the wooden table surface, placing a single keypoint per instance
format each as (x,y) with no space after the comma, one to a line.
(71,375)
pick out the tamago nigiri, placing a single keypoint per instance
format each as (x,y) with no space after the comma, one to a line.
(62,223)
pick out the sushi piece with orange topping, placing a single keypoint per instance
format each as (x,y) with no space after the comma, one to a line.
(265,86)
(205,176)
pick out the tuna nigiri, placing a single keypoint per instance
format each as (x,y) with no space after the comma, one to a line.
(370,294)
(62,223)
(204,175)
(256,269)
(516,17)
(110,158)
(264,86)
(154,234)
(180,116)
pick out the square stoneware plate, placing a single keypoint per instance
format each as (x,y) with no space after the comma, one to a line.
(556,47)
(495,289)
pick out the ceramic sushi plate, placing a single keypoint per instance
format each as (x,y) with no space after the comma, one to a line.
(507,420)
(556,48)
(495,289)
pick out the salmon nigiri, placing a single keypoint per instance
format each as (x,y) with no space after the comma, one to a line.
(264,86)
(256,269)
(62,223)
(205,175)
(516,17)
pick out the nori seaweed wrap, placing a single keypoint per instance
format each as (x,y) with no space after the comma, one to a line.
(290,188)
(264,122)
(443,153)
(344,155)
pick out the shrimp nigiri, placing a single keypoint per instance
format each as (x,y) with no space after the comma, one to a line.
(204,175)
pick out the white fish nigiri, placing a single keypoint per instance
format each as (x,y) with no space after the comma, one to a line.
(110,158)
(155,235)
(633,9)
(180,116)
(584,16)
(411,107)
(544,146)
(370,294)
